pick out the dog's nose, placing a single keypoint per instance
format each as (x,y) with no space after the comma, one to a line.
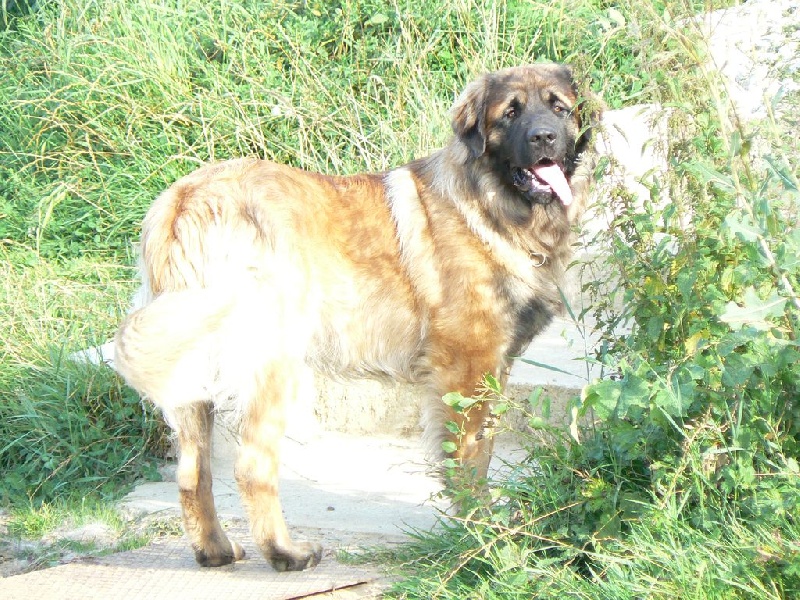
(542,135)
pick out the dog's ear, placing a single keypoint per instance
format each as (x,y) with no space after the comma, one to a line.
(469,117)
(559,72)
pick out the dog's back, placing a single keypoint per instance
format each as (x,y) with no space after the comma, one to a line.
(245,263)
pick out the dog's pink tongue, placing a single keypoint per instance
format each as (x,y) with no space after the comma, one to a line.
(553,176)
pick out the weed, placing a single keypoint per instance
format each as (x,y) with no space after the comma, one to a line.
(48,533)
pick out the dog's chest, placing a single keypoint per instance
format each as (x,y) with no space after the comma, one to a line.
(529,309)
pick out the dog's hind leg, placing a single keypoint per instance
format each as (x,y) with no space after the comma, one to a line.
(194,423)
(262,429)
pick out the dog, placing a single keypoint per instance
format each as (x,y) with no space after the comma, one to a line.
(438,273)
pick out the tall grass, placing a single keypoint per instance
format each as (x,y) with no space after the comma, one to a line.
(107,103)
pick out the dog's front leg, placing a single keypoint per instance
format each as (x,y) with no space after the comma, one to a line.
(474,441)
(257,474)
(472,435)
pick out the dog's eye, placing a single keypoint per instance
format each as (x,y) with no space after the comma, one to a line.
(560,107)
(511,113)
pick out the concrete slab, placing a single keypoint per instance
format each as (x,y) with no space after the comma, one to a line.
(560,353)
(376,486)
(165,570)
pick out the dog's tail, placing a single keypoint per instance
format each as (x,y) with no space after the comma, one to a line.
(165,350)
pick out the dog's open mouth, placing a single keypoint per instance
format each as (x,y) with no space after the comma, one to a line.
(542,181)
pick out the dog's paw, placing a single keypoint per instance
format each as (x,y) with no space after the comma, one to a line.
(219,556)
(298,557)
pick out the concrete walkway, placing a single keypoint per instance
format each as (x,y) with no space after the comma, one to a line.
(165,570)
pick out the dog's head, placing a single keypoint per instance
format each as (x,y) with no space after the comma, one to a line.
(529,123)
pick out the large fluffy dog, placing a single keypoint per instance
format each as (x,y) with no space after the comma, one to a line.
(437,272)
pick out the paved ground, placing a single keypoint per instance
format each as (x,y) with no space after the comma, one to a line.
(165,570)
(349,493)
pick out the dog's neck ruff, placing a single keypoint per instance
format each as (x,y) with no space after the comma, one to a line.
(521,263)
(415,240)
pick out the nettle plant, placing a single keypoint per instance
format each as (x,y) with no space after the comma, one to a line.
(704,408)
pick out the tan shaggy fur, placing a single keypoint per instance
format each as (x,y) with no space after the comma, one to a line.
(437,273)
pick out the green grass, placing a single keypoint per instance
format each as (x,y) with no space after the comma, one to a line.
(686,486)
(49,533)
(108,103)
(37,523)
(660,557)
(66,427)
